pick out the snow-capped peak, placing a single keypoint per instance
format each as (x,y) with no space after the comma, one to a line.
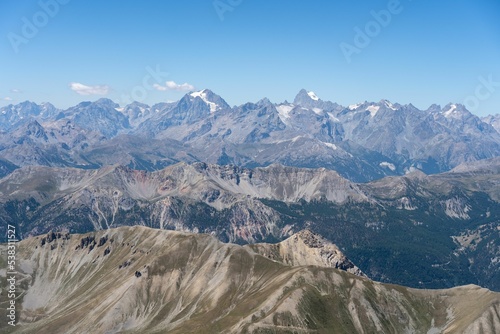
(455,111)
(389,105)
(198,93)
(202,94)
(354,106)
(449,112)
(307,99)
(313,96)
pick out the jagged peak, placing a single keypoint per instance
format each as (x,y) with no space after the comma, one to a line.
(318,251)
(212,100)
(306,97)
(311,239)
(264,102)
(454,110)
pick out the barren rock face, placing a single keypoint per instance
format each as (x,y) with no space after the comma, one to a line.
(307,248)
(142,280)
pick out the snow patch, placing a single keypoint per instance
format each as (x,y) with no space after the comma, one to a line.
(450,111)
(318,111)
(389,105)
(412,169)
(373,110)
(203,95)
(330,145)
(333,118)
(313,96)
(354,106)
(388,165)
(284,111)
(293,140)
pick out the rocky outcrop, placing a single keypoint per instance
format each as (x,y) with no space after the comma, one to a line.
(307,248)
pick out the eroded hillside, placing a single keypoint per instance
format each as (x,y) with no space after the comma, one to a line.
(142,280)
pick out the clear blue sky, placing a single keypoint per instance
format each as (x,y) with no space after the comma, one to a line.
(429,52)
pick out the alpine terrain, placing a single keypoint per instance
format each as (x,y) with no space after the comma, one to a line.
(195,216)
(143,280)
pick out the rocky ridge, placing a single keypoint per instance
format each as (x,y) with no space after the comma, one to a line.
(141,280)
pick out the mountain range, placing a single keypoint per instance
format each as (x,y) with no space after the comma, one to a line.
(264,217)
(362,142)
(435,231)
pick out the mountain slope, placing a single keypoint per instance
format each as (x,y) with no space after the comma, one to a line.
(432,231)
(140,280)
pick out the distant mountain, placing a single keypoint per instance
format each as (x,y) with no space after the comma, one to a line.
(150,281)
(102,116)
(137,112)
(435,140)
(138,152)
(363,142)
(55,143)
(257,134)
(310,100)
(192,108)
(13,115)
(493,120)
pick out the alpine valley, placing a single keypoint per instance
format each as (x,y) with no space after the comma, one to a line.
(303,217)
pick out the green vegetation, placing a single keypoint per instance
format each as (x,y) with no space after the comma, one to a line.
(412,248)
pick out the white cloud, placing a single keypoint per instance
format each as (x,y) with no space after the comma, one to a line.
(89,90)
(14,90)
(7,98)
(171,85)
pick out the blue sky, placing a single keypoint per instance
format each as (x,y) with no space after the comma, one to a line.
(424,52)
